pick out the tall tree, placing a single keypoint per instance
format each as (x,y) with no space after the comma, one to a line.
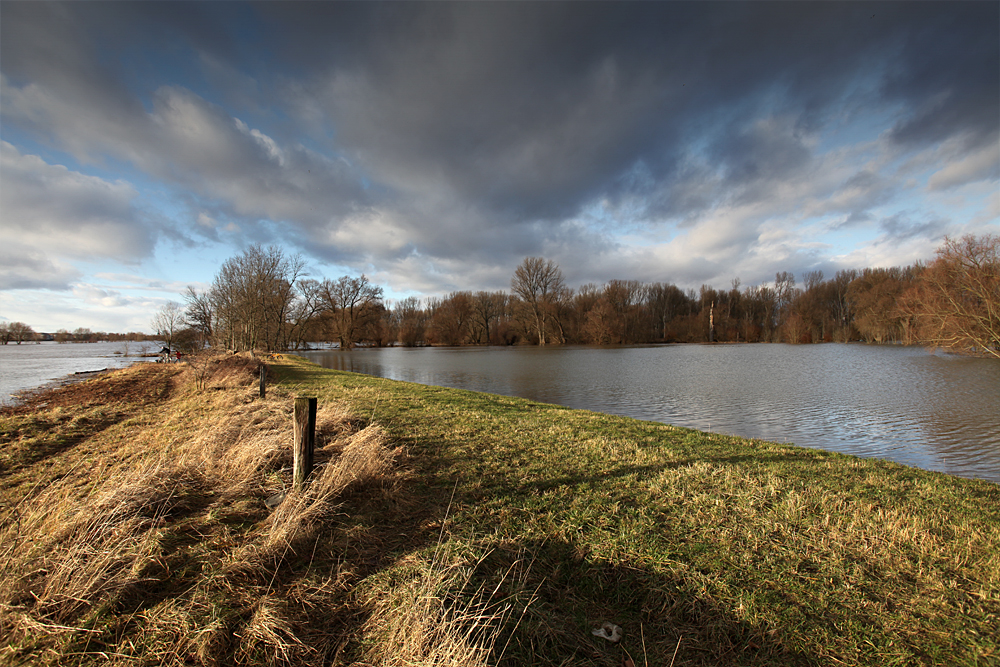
(15,331)
(488,308)
(956,300)
(452,319)
(410,321)
(198,314)
(784,294)
(351,304)
(873,297)
(303,315)
(664,302)
(840,306)
(539,284)
(251,297)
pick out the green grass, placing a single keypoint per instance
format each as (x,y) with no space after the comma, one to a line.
(729,551)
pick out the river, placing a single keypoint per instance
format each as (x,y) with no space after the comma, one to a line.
(930,410)
(30,365)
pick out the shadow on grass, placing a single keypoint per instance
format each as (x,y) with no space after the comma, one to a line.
(19,456)
(660,614)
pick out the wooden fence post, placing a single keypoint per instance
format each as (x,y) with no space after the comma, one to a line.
(305,440)
(263,380)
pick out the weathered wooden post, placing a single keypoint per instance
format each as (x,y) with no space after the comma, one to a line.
(305,440)
(263,380)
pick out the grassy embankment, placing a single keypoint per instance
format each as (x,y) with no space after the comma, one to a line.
(449,527)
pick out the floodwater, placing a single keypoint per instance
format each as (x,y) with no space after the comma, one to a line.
(930,410)
(31,365)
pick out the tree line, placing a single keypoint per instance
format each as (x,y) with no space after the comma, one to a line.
(262,299)
(19,332)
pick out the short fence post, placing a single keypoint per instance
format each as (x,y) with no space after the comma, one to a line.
(263,380)
(305,440)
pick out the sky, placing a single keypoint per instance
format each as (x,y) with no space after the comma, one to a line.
(433,146)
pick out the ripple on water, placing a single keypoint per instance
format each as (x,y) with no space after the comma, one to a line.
(934,411)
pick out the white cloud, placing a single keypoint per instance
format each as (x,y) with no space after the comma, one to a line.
(93,295)
(134,282)
(65,213)
(48,311)
(53,216)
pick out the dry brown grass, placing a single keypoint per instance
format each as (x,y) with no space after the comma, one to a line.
(148,541)
(66,556)
(428,611)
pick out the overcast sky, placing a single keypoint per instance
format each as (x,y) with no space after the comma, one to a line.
(433,146)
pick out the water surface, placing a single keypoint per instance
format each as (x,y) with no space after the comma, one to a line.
(31,365)
(934,411)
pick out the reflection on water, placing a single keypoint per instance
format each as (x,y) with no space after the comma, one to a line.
(933,411)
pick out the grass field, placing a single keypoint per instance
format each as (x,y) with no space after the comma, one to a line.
(445,527)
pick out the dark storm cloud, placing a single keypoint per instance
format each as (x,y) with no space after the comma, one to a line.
(948,73)
(534,109)
(66,78)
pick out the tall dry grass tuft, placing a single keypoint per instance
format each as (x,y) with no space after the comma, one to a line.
(98,538)
(428,616)
(364,460)
(220,371)
(270,637)
(159,548)
(250,441)
(66,556)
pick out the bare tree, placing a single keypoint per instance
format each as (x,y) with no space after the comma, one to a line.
(956,300)
(600,326)
(488,309)
(410,321)
(351,304)
(452,319)
(664,302)
(15,331)
(784,294)
(303,316)
(168,322)
(251,298)
(539,284)
(198,314)
(84,335)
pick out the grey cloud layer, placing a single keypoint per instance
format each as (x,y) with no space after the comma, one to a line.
(536,108)
(447,140)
